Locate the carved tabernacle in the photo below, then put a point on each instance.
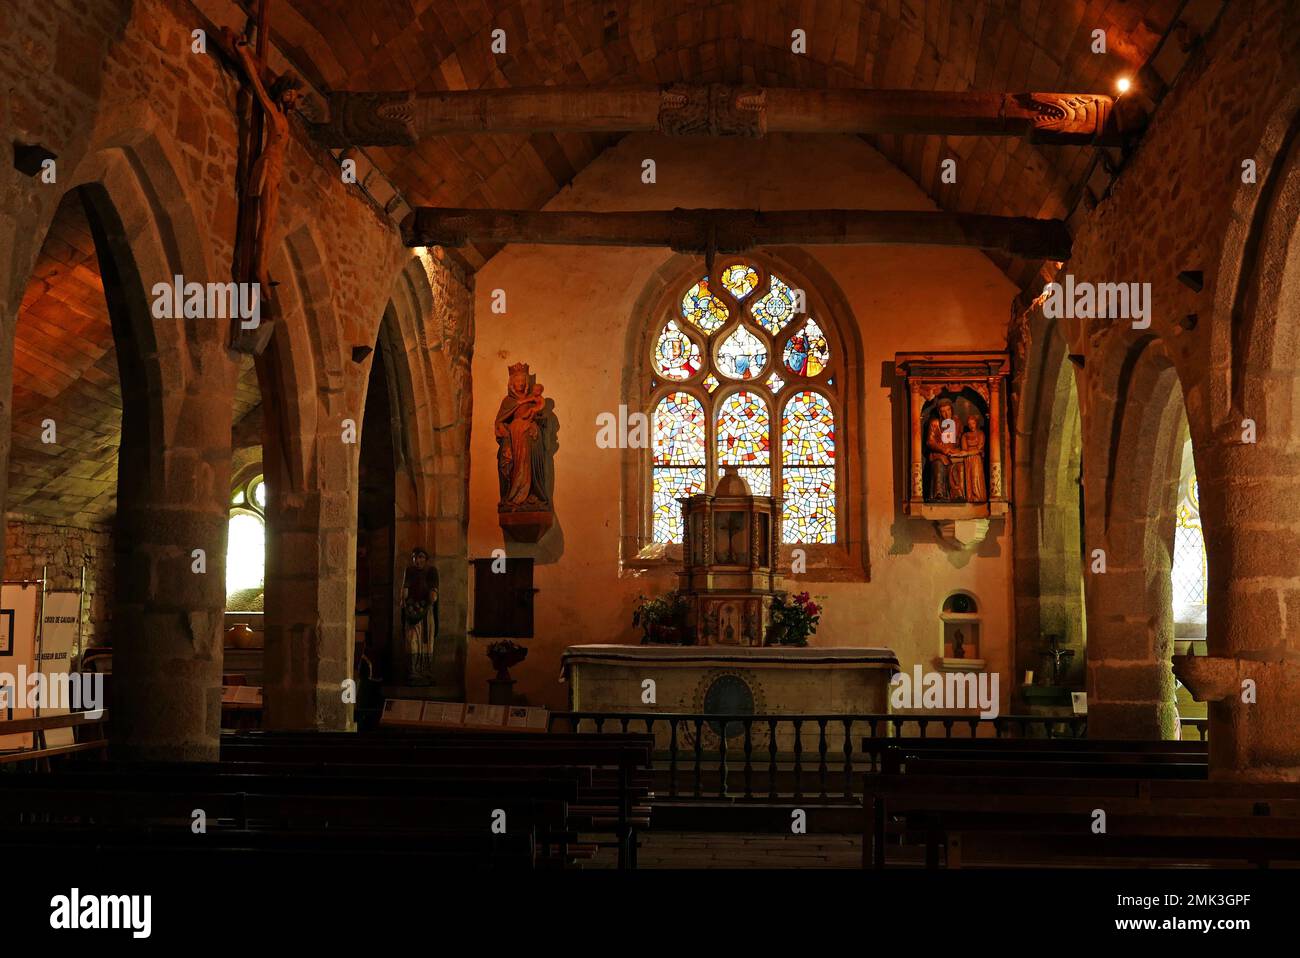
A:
(957, 424)
(728, 562)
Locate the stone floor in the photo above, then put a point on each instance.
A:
(723, 850)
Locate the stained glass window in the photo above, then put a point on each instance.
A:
(702, 308)
(678, 446)
(699, 428)
(807, 352)
(1189, 573)
(744, 430)
(676, 355)
(808, 468)
(740, 280)
(742, 355)
(775, 308)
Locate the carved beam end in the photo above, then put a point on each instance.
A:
(1076, 118)
(368, 119)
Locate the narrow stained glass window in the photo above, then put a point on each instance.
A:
(1189, 572)
(808, 468)
(678, 441)
(744, 429)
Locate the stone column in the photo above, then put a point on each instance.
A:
(170, 600)
(1250, 514)
(310, 601)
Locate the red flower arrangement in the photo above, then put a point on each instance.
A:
(793, 619)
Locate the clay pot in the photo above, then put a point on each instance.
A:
(240, 636)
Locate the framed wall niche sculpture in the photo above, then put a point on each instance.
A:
(956, 411)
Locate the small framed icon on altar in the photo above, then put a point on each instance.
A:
(1079, 702)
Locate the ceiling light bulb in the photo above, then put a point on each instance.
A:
(1123, 84)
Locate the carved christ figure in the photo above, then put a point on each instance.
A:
(268, 169)
(521, 458)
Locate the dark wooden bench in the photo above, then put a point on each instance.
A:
(617, 800)
(90, 736)
(1011, 818)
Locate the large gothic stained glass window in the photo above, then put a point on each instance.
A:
(743, 374)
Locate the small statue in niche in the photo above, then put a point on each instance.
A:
(940, 448)
(972, 445)
(958, 645)
(521, 457)
(420, 616)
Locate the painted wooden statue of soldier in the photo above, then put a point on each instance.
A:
(420, 616)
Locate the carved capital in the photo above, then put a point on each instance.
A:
(1066, 117)
(713, 110)
(372, 119)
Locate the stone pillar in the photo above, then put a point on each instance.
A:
(1130, 637)
(1250, 513)
(168, 615)
(310, 600)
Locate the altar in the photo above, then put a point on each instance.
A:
(730, 680)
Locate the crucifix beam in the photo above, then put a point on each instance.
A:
(737, 231)
(404, 118)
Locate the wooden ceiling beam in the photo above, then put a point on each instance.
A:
(404, 118)
(738, 231)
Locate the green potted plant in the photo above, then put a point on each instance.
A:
(794, 618)
(662, 620)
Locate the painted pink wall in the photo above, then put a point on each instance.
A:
(568, 311)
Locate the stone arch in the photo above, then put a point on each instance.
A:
(1139, 430)
(1048, 529)
(174, 454)
(433, 466)
(848, 558)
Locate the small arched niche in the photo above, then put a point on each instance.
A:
(960, 633)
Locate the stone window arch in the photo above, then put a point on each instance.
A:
(744, 365)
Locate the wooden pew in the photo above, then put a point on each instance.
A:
(1190, 820)
(617, 801)
(90, 730)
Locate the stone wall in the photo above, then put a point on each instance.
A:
(117, 93)
(62, 550)
(1220, 345)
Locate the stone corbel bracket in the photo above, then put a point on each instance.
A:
(1218, 678)
(962, 533)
